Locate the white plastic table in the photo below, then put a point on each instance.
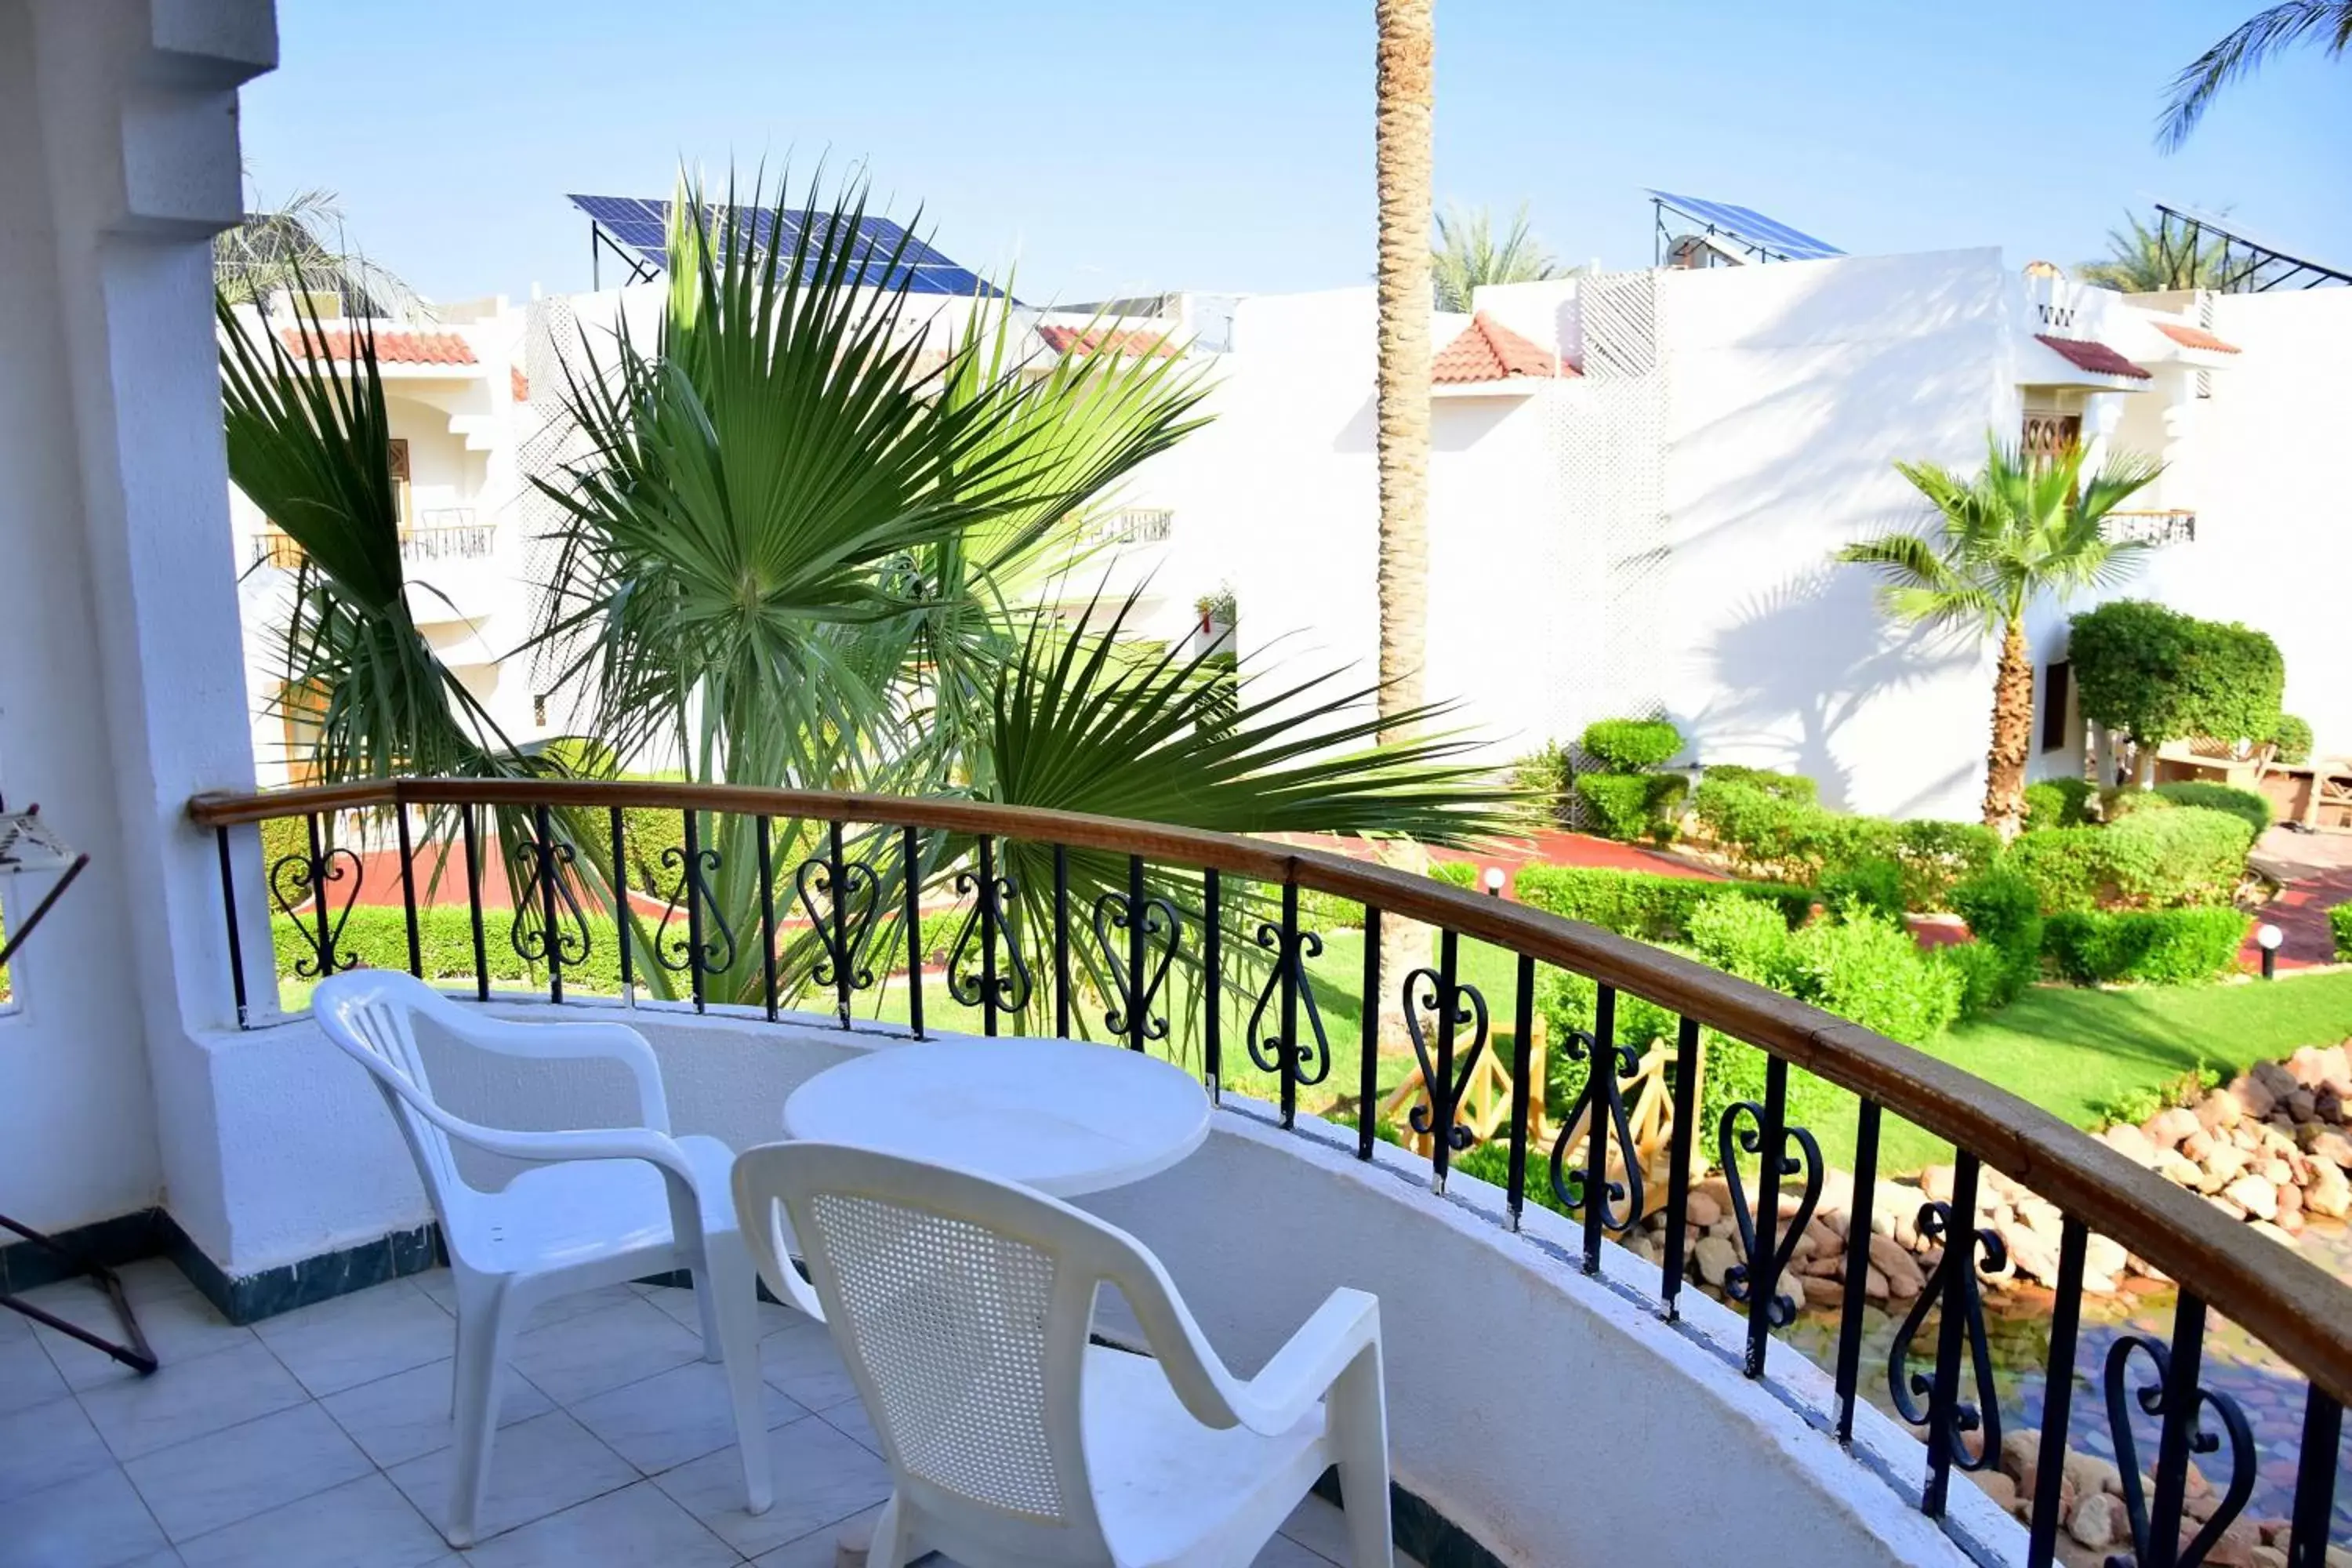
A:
(1060, 1116)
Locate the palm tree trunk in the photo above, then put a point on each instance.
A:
(2012, 734)
(1401, 155)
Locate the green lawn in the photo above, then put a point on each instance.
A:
(2068, 1051)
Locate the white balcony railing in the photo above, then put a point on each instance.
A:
(2176, 525)
(1133, 525)
(448, 534)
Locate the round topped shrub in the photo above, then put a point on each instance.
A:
(1630, 745)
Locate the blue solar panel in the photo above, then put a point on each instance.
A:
(642, 226)
(1752, 226)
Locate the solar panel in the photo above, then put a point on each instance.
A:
(640, 227)
(1752, 227)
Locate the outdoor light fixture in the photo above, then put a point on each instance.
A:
(1494, 879)
(2268, 937)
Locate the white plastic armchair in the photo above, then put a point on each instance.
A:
(961, 1306)
(600, 1206)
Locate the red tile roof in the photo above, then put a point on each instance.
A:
(2095, 357)
(519, 383)
(1488, 351)
(390, 347)
(2195, 337)
(1137, 341)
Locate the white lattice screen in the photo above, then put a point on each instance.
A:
(551, 345)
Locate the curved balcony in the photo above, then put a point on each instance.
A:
(1558, 1396)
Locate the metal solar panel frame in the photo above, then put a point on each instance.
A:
(1763, 238)
(2247, 266)
(636, 229)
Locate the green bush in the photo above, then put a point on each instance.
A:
(283, 838)
(2119, 801)
(2150, 859)
(2160, 675)
(1933, 856)
(1981, 972)
(1630, 745)
(2155, 947)
(2058, 803)
(2003, 910)
(1546, 776)
(1874, 886)
(2339, 921)
(1638, 904)
(1455, 873)
(1743, 937)
(1330, 911)
(1629, 807)
(2255, 808)
(1786, 786)
(2292, 738)
(1871, 969)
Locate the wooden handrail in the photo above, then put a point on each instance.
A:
(2296, 1307)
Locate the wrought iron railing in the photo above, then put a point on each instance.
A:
(1075, 919)
(449, 534)
(2175, 525)
(1133, 525)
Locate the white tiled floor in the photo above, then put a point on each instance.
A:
(319, 1440)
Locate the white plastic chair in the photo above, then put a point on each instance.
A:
(961, 1306)
(604, 1206)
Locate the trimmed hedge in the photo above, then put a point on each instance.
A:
(1455, 873)
(2160, 674)
(1787, 786)
(2339, 921)
(2255, 808)
(1628, 806)
(1639, 904)
(1933, 857)
(1876, 886)
(1630, 745)
(2058, 803)
(2004, 914)
(2151, 859)
(2155, 947)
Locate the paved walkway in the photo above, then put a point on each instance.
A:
(2315, 872)
(1549, 848)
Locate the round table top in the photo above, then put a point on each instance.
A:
(1061, 1116)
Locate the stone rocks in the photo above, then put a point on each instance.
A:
(2218, 1111)
(2096, 1521)
(2168, 1129)
(1701, 1209)
(1714, 1255)
(2130, 1142)
(2254, 1194)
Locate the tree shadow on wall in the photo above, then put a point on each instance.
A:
(1799, 661)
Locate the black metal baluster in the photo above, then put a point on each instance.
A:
(1679, 1144)
(408, 891)
(474, 903)
(911, 845)
(1523, 1029)
(2057, 1399)
(768, 911)
(2315, 1480)
(1140, 1003)
(1212, 983)
(236, 941)
(694, 954)
(844, 972)
(1368, 1066)
(548, 872)
(1291, 967)
(1857, 1265)
(319, 897)
(1597, 1129)
(1441, 1087)
(2172, 1445)
(1951, 1331)
(1764, 1271)
(988, 920)
(620, 922)
(2177, 1398)
(1062, 940)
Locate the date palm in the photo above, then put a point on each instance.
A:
(2021, 528)
(1402, 153)
(2140, 261)
(1468, 256)
(2268, 32)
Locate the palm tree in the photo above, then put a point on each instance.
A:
(2140, 261)
(2267, 32)
(1468, 255)
(2021, 528)
(1402, 153)
(300, 243)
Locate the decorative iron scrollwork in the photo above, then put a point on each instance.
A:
(1601, 1107)
(1132, 992)
(714, 952)
(851, 893)
(2154, 1399)
(1739, 1280)
(1313, 1060)
(1960, 1244)
(538, 866)
(988, 931)
(1451, 1005)
(299, 879)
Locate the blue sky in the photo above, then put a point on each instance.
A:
(1227, 145)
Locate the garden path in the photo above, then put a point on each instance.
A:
(2314, 873)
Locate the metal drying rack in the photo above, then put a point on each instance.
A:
(28, 846)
